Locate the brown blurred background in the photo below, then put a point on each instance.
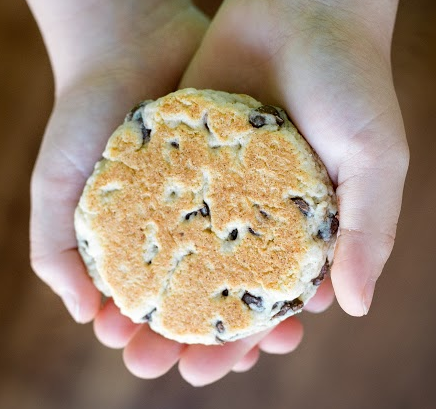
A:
(385, 360)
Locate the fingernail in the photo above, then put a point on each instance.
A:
(72, 305)
(368, 293)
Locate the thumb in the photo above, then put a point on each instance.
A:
(370, 186)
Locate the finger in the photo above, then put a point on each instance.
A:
(148, 355)
(370, 194)
(248, 361)
(204, 364)
(112, 328)
(322, 299)
(67, 276)
(284, 338)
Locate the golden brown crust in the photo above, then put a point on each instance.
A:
(153, 251)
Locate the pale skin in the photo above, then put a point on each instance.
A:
(326, 62)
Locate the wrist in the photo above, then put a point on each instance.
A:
(83, 37)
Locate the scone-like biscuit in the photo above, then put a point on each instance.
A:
(209, 217)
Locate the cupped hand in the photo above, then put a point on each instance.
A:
(144, 58)
(107, 56)
(328, 64)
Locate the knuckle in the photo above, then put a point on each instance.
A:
(403, 156)
(35, 262)
(44, 186)
(381, 243)
(38, 267)
(385, 245)
(35, 180)
(370, 156)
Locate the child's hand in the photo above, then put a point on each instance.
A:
(328, 64)
(106, 57)
(109, 55)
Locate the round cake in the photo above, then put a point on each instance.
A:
(209, 217)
